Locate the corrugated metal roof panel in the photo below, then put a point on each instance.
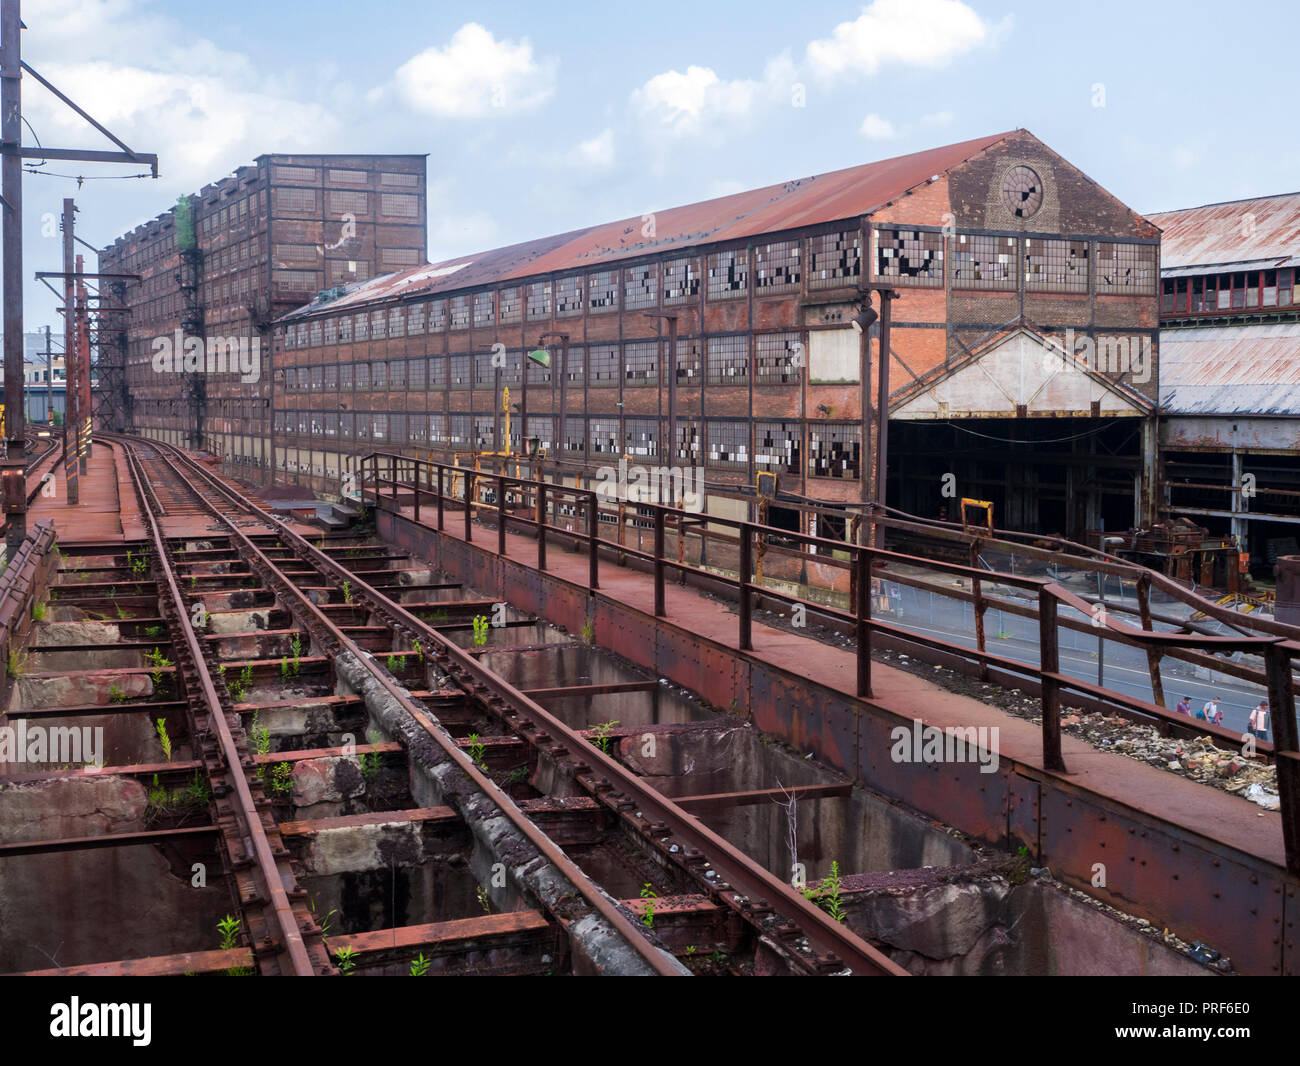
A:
(1267, 228)
(840, 194)
(1231, 369)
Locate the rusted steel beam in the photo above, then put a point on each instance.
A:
(719, 800)
(1049, 669)
(441, 936)
(387, 747)
(311, 827)
(107, 840)
(562, 691)
(142, 770)
(187, 962)
(1286, 742)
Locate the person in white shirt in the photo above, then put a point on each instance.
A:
(1212, 713)
(1259, 719)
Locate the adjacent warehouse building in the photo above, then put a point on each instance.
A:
(1004, 256)
(227, 261)
(1230, 377)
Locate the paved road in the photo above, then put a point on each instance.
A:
(1125, 668)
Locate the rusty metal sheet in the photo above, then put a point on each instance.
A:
(830, 197)
(1199, 889)
(1267, 227)
(1252, 369)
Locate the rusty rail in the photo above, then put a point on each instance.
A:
(1279, 651)
(252, 834)
(752, 879)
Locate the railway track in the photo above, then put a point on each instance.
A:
(346, 603)
(311, 723)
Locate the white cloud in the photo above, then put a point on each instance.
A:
(921, 33)
(685, 104)
(474, 75)
(597, 153)
(164, 89)
(877, 128)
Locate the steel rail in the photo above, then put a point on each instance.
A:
(756, 882)
(659, 961)
(246, 812)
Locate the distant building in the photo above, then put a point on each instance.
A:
(227, 261)
(1230, 377)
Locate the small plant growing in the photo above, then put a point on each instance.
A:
(370, 760)
(228, 927)
(295, 646)
(284, 668)
(16, 664)
(476, 751)
(827, 894)
(395, 663)
(163, 738)
(153, 632)
(601, 732)
(347, 961)
(158, 662)
(420, 966)
(419, 652)
(588, 632)
(282, 778)
(648, 914)
(480, 630)
(122, 613)
(38, 612)
(347, 592)
(484, 900)
(116, 695)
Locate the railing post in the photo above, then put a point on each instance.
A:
(1286, 743)
(742, 585)
(501, 514)
(415, 484)
(977, 591)
(862, 619)
(659, 562)
(392, 471)
(469, 495)
(1153, 652)
(440, 471)
(593, 541)
(541, 522)
(1050, 663)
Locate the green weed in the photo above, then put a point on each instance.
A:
(476, 751)
(602, 734)
(163, 739)
(480, 630)
(420, 966)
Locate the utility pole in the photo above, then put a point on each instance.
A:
(71, 398)
(82, 357)
(11, 246)
(49, 379)
(13, 488)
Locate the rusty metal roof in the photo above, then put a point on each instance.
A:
(1265, 228)
(1238, 370)
(831, 197)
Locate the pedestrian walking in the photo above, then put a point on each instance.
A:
(1259, 720)
(1185, 706)
(1211, 712)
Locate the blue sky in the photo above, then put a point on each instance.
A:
(539, 119)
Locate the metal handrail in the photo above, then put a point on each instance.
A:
(1277, 649)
